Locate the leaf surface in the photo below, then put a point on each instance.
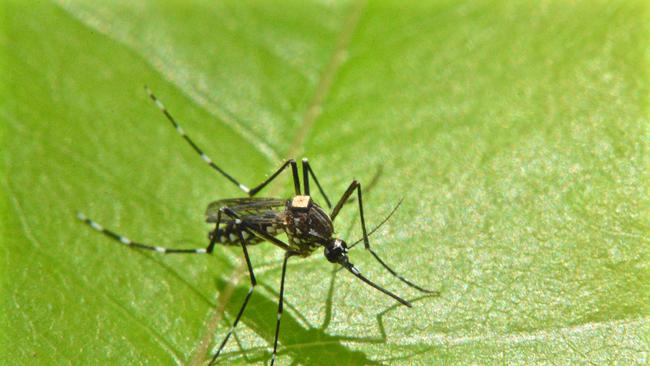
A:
(516, 134)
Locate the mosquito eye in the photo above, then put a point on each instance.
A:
(336, 251)
(333, 254)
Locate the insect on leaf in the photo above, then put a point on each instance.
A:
(515, 132)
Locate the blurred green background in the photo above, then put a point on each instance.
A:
(516, 133)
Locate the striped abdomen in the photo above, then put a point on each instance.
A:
(228, 234)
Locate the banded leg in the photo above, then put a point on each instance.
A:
(280, 306)
(244, 227)
(243, 306)
(206, 158)
(357, 186)
(130, 243)
(306, 172)
(181, 132)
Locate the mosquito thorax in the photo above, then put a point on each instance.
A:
(307, 224)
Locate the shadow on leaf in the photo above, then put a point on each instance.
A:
(303, 343)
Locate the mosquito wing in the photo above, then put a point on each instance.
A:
(254, 210)
(264, 215)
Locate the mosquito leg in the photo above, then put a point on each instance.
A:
(308, 171)
(244, 227)
(347, 196)
(181, 132)
(371, 185)
(305, 176)
(344, 198)
(294, 171)
(204, 156)
(130, 243)
(280, 303)
(357, 186)
(231, 213)
(243, 306)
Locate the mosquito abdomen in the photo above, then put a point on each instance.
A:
(229, 235)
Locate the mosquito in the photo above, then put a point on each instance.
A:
(252, 220)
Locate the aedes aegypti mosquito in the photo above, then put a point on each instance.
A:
(252, 220)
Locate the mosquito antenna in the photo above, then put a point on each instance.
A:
(350, 267)
(380, 224)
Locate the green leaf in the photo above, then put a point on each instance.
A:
(516, 134)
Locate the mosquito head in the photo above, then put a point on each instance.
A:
(336, 251)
